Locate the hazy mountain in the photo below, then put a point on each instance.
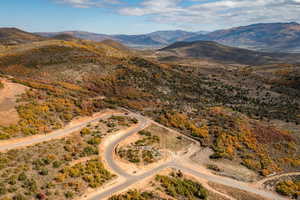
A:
(268, 37)
(172, 36)
(64, 36)
(202, 32)
(78, 34)
(215, 51)
(154, 39)
(280, 37)
(12, 36)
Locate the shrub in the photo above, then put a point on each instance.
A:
(69, 194)
(85, 131)
(22, 177)
(181, 188)
(94, 141)
(19, 197)
(289, 188)
(56, 164)
(89, 151)
(133, 195)
(44, 172)
(145, 133)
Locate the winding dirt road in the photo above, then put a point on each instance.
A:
(177, 162)
(174, 163)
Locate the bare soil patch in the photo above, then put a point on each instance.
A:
(225, 167)
(236, 193)
(8, 102)
(169, 139)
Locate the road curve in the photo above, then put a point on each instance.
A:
(230, 182)
(263, 181)
(175, 163)
(132, 179)
(109, 150)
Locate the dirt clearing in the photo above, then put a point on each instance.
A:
(8, 96)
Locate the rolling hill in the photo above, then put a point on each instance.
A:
(78, 34)
(218, 52)
(12, 36)
(154, 39)
(64, 36)
(227, 108)
(269, 37)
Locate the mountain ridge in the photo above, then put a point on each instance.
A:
(219, 52)
(269, 37)
(153, 39)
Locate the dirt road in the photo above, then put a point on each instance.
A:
(109, 152)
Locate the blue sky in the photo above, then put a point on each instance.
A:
(142, 16)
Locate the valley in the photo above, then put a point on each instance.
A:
(194, 120)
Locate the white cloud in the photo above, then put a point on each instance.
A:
(202, 14)
(88, 3)
(152, 7)
(216, 14)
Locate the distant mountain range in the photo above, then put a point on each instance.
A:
(222, 53)
(268, 37)
(155, 39)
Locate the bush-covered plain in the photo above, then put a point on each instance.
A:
(54, 170)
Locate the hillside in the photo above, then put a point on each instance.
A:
(64, 36)
(215, 51)
(155, 39)
(270, 37)
(116, 45)
(78, 34)
(12, 36)
(248, 117)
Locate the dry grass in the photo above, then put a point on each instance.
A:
(235, 193)
(168, 139)
(8, 101)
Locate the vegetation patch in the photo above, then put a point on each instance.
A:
(234, 136)
(143, 150)
(172, 186)
(45, 108)
(54, 170)
(179, 187)
(290, 188)
(135, 195)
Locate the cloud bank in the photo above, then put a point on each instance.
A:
(203, 13)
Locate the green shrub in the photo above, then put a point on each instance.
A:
(289, 188)
(85, 131)
(19, 197)
(69, 194)
(133, 195)
(181, 188)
